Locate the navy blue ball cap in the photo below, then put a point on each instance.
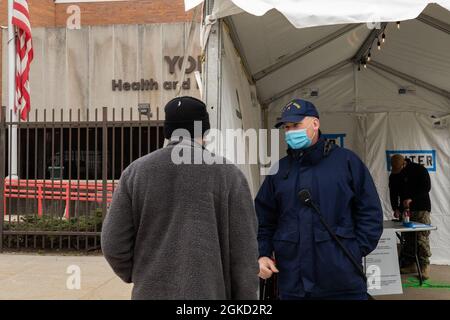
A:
(296, 110)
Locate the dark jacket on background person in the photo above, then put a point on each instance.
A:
(183, 231)
(309, 260)
(413, 182)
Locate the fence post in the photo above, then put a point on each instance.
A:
(104, 161)
(67, 213)
(40, 201)
(2, 173)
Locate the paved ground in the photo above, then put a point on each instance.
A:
(436, 288)
(45, 277)
(33, 276)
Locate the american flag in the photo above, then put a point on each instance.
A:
(24, 56)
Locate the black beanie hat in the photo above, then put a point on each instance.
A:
(182, 112)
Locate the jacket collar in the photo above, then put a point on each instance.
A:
(186, 142)
(311, 155)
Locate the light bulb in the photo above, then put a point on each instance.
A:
(398, 24)
(369, 56)
(383, 37)
(379, 44)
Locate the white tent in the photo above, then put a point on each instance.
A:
(257, 59)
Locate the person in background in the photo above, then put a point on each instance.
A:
(183, 231)
(409, 187)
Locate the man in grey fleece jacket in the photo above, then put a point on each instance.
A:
(183, 231)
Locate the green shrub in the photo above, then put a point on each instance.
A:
(91, 222)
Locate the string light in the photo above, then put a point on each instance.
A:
(364, 61)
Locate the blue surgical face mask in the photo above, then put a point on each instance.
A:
(298, 139)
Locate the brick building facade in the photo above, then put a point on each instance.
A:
(124, 54)
(48, 14)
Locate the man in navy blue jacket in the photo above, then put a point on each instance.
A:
(309, 263)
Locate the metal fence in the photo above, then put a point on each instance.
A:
(67, 172)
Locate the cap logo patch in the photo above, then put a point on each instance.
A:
(290, 105)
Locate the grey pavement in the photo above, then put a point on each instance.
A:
(46, 277)
(50, 277)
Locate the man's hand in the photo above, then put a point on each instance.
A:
(266, 267)
(407, 203)
(397, 214)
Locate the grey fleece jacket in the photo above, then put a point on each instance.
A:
(184, 231)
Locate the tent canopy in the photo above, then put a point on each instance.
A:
(281, 58)
(310, 13)
(264, 53)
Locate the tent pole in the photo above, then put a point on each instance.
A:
(212, 74)
(306, 81)
(308, 49)
(434, 23)
(411, 79)
(238, 45)
(365, 46)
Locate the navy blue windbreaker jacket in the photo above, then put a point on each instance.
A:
(308, 258)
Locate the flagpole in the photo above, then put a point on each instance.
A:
(12, 143)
